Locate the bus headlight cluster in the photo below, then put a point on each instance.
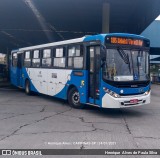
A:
(113, 94)
(146, 93)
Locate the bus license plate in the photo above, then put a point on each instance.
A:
(134, 101)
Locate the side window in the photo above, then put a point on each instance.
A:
(27, 59)
(46, 58)
(59, 58)
(14, 60)
(36, 58)
(75, 57)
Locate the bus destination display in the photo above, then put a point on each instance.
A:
(126, 41)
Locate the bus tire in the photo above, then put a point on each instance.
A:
(27, 87)
(74, 99)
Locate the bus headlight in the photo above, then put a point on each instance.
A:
(113, 94)
(146, 93)
(116, 95)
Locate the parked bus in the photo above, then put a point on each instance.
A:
(106, 70)
(3, 72)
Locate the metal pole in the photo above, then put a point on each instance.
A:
(8, 64)
(105, 16)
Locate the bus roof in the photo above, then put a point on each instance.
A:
(77, 40)
(100, 37)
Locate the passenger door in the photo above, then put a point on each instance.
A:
(19, 70)
(94, 74)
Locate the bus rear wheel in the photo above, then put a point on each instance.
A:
(74, 99)
(27, 87)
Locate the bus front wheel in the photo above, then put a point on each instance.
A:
(27, 87)
(74, 99)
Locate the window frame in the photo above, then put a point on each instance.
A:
(54, 56)
(82, 54)
(36, 58)
(24, 58)
(14, 59)
(51, 54)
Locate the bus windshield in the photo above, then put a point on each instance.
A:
(126, 65)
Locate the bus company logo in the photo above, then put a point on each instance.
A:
(6, 152)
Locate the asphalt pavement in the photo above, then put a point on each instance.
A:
(42, 122)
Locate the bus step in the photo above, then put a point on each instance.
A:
(20, 87)
(92, 104)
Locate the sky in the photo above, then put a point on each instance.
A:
(158, 18)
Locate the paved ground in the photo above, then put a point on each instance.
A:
(46, 123)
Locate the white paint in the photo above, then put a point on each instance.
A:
(45, 82)
(154, 56)
(123, 78)
(154, 62)
(111, 102)
(158, 18)
(77, 40)
(19, 52)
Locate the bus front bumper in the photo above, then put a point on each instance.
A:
(126, 101)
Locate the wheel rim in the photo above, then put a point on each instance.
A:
(75, 98)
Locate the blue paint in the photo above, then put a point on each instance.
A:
(33, 89)
(126, 91)
(101, 37)
(76, 81)
(14, 77)
(136, 78)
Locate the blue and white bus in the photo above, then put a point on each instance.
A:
(106, 70)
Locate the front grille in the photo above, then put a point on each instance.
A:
(131, 86)
(131, 94)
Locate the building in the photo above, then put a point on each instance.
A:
(153, 33)
(2, 59)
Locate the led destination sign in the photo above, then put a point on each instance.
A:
(126, 41)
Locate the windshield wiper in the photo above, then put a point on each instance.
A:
(124, 56)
